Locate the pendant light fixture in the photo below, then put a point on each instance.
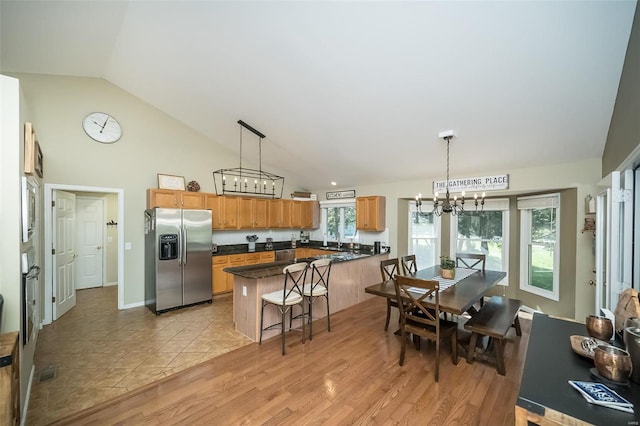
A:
(448, 205)
(245, 181)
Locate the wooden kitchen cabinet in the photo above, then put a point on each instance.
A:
(224, 211)
(219, 278)
(10, 379)
(267, 256)
(301, 253)
(370, 213)
(252, 259)
(253, 213)
(296, 214)
(310, 214)
(280, 213)
(172, 199)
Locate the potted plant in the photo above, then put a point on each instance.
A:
(447, 268)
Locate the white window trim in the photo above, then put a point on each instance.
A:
(497, 204)
(526, 204)
(324, 205)
(437, 227)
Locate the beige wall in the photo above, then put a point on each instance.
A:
(624, 130)
(151, 143)
(577, 297)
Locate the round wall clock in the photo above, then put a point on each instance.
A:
(102, 127)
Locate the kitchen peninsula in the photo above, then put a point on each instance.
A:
(350, 274)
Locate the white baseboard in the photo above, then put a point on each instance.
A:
(25, 409)
(110, 284)
(133, 305)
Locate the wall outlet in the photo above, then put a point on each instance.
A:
(244, 290)
(127, 246)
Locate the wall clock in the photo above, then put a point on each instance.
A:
(102, 127)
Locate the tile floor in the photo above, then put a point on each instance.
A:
(98, 352)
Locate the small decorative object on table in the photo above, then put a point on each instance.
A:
(612, 363)
(600, 394)
(447, 268)
(599, 327)
(193, 186)
(585, 346)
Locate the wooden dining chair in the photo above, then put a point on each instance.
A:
(409, 265)
(417, 319)
(471, 261)
(389, 269)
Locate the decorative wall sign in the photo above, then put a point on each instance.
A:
(334, 195)
(484, 183)
(170, 182)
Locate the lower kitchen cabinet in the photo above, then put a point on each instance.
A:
(222, 282)
(219, 278)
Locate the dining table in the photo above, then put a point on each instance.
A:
(459, 295)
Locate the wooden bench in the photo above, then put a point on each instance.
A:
(494, 320)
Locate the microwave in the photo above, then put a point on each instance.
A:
(29, 197)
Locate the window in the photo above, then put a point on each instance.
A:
(424, 237)
(484, 232)
(539, 244)
(338, 220)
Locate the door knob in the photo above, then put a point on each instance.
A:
(99, 247)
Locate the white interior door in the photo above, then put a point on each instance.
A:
(89, 242)
(63, 242)
(614, 246)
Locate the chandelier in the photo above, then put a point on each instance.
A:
(254, 182)
(447, 205)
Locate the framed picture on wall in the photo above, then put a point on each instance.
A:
(29, 148)
(171, 182)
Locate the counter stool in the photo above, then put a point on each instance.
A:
(287, 298)
(318, 287)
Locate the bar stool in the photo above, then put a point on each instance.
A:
(318, 287)
(287, 298)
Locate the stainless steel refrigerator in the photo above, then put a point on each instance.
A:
(177, 258)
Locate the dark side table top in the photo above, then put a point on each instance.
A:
(551, 363)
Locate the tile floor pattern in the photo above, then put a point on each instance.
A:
(100, 352)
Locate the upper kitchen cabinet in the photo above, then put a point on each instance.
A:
(253, 212)
(310, 214)
(296, 214)
(280, 213)
(224, 211)
(172, 199)
(370, 213)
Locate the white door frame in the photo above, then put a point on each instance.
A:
(48, 259)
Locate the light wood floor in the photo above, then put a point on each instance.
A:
(348, 376)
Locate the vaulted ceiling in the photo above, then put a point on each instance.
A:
(354, 92)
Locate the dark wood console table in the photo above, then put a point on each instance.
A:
(545, 396)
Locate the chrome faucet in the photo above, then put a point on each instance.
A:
(339, 244)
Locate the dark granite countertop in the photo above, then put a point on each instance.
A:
(286, 245)
(265, 270)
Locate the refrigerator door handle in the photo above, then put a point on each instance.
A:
(184, 245)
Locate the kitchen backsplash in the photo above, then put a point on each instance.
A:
(239, 237)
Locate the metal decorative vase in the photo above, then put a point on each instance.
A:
(632, 340)
(629, 322)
